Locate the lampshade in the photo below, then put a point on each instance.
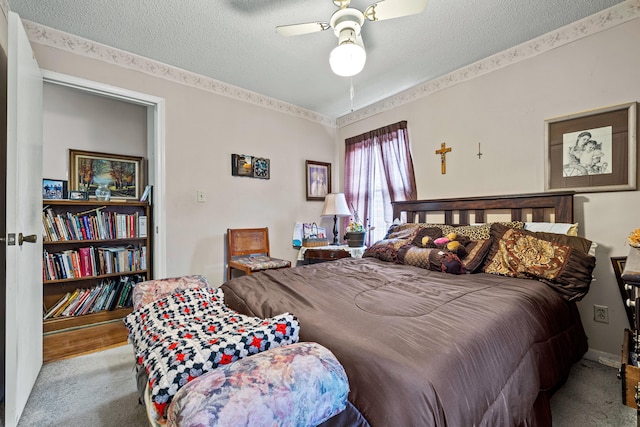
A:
(335, 204)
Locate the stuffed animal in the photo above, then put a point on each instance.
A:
(453, 250)
(452, 242)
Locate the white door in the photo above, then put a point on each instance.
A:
(24, 204)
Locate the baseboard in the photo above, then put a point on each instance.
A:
(604, 358)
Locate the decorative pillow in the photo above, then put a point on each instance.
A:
(300, 384)
(482, 231)
(431, 232)
(553, 227)
(401, 231)
(151, 290)
(409, 230)
(579, 243)
(434, 259)
(386, 250)
(427, 258)
(519, 253)
(445, 228)
(477, 251)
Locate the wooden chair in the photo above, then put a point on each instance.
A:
(248, 251)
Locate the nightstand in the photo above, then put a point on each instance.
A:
(312, 255)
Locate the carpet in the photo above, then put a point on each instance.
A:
(99, 389)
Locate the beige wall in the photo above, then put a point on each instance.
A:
(76, 120)
(505, 112)
(203, 129)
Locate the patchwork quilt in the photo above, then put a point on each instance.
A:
(191, 332)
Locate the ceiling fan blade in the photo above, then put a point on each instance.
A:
(389, 9)
(297, 29)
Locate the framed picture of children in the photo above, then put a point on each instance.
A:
(592, 151)
(318, 179)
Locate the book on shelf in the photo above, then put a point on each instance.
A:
(146, 194)
(66, 304)
(107, 295)
(57, 305)
(142, 226)
(82, 295)
(97, 224)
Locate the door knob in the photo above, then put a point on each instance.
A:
(31, 238)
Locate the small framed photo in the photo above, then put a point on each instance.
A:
(78, 195)
(318, 179)
(592, 151)
(261, 168)
(241, 165)
(54, 189)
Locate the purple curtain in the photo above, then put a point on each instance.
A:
(384, 151)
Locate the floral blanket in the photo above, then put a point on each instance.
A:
(191, 332)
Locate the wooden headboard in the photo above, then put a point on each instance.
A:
(539, 204)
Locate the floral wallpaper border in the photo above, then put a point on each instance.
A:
(601, 21)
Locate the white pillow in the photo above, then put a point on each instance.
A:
(553, 227)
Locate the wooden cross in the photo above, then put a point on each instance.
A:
(443, 160)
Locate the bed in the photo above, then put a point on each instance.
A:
(422, 347)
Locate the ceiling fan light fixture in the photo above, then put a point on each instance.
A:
(348, 58)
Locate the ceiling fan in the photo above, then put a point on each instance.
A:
(348, 58)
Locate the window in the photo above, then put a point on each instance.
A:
(379, 170)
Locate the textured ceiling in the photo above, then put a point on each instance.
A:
(234, 41)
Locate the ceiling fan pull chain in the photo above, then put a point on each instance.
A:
(351, 93)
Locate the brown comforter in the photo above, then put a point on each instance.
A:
(424, 348)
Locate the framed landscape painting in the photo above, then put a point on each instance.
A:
(592, 151)
(122, 174)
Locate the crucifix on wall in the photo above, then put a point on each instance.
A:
(443, 159)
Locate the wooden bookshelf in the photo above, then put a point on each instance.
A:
(75, 334)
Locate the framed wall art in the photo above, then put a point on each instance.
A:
(54, 189)
(261, 168)
(123, 175)
(592, 151)
(241, 165)
(318, 179)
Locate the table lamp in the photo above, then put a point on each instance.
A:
(335, 205)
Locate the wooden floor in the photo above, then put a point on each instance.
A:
(75, 342)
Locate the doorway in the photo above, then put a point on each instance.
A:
(155, 149)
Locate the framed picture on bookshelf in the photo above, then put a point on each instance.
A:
(53, 189)
(123, 175)
(78, 195)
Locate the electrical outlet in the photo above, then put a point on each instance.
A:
(601, 313)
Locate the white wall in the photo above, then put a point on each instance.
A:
(505, 112)
(203, 129)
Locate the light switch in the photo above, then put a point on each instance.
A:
(201, 197)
